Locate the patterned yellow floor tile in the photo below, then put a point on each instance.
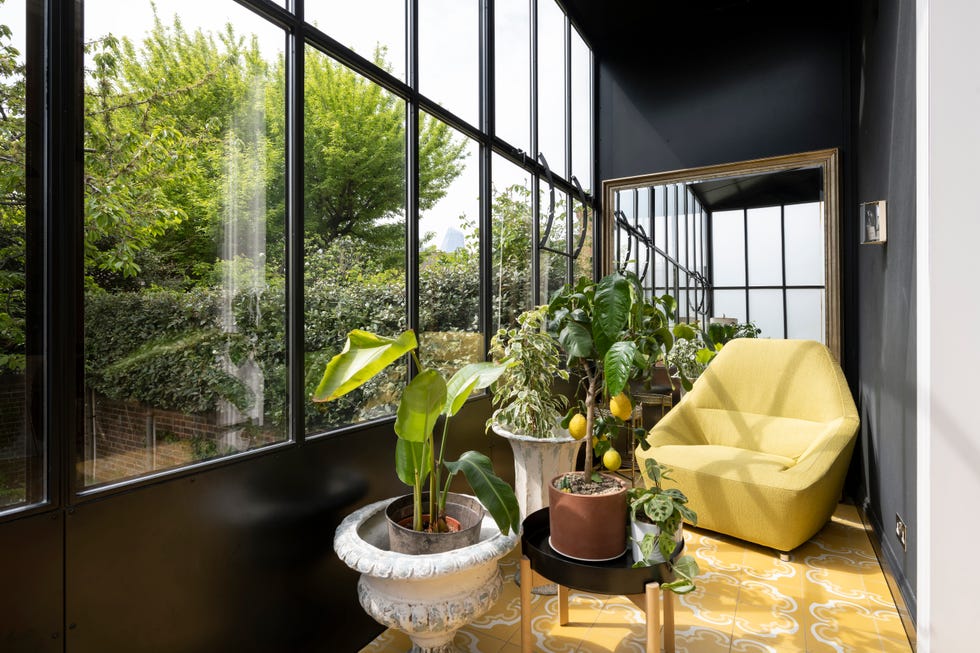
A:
(889, 624)
(843, 641)
(830, 597)
(511, 648)
(390, 641)
(712, 603)
(477, 642)
(702, 639)
(896, 645)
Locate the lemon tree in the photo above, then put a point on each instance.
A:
(609, 333)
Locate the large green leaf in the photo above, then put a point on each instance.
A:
(364, 355)
(660, 508)
(618, 365)
(412, 457)
(612, 306)
(422, 402)
(576, 340)
(685, 331)
(470, 378)
(685, 570)
(498, 497)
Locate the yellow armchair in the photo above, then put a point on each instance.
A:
(762, 442)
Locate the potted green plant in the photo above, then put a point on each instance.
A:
(695, 348)
(420, 456)
(657, 528)
(527, 410)
(609, 334)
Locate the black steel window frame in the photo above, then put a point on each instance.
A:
(748, 287)
(55, 86)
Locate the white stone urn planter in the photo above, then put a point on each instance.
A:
(536, 462)
(428, 597)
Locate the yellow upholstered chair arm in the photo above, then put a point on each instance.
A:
(677, 427)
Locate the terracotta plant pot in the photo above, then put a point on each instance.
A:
(464, 509)
(588, 527)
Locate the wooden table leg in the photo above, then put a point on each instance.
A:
(668, 601)
(653, 617)
(562, 605)
(527, 581)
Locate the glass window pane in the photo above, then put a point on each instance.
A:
(511, 251)
(374, 29)
(765, 247)
(804, 245)
(512, 58)
(582, 221)
(449, 254)
(727, 248)
(581, 111)
(804, 313)
(766, 311)
(551, 85)
(449, 55)
(184, 250)
(354, 214)
(553, 272)
(22, 448)
(729, 303)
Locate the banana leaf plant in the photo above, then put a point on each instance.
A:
(419, 456)
(611, 333)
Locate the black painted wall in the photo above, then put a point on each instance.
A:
(691, 84)
(884, 110)
(235, 557)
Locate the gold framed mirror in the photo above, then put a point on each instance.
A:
(751, 241)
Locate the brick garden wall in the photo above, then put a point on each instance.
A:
(13, 439)
(133, 439)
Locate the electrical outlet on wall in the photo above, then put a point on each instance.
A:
(901, 532)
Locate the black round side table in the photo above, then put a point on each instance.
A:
(541, 564)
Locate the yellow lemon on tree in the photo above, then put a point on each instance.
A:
(620, 406)
(576, 427)
(612, 460)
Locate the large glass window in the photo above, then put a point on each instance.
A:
(22, 450)
(581, 111)
(184, 236)
(449, 55)
(551, 85)
(191, 207)
(511, 291)
(449, 249)
(374, 29)
(512, 55)
(354, 226)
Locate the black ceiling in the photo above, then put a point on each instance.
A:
(647, 27)
(770, 189)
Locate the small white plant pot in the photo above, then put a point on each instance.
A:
(639, 530)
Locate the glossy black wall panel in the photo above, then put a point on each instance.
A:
(31, 616)
(238, 557)
(886, 302)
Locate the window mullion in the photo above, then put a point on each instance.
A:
(412, 173)
(294, 236)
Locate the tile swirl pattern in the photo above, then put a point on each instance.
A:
(831, 597)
